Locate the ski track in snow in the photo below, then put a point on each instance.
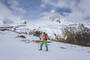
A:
(11, 48)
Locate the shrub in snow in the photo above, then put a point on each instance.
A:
(37, 33)
(21, 36)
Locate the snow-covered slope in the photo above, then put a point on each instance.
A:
(12, 48)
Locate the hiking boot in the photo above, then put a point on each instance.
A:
(40, 49)
(47, 50)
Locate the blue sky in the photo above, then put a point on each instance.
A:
(33, 9)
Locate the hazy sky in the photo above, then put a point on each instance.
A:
(35, 9)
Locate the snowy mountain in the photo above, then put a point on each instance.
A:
(52, 23)
(51, 27)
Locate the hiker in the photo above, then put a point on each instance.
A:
(44, 41)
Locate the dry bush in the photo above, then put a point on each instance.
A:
(81, 37)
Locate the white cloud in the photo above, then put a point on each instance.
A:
(85, 6)
(42, 5)
(52, 11)
(7, 15)
(14, 4)
(82, 11)
(80, 8)
(60, 3)
(4, 11)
